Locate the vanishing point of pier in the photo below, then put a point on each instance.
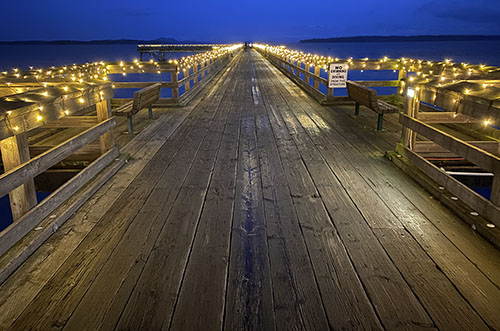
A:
(227, 197)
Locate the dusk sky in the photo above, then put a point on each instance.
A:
(227, 20)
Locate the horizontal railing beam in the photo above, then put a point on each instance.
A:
(466, 150)
(18, 176)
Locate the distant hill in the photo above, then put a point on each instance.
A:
(101, 42)
(402, 38)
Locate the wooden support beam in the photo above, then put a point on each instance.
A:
(488, 209)
(17, 176)
(317, 71)
(432, 147)
(72, 122)
(28, 222)
(103, 109)
(174, 80)
(468, 151)
(87, 153)
(119, 85)
(446, 117)
(15, 152)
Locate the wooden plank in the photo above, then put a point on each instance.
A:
(437, 305)
(90, 149)
(446, 117)
(103, 110)
(362, 94)
(25, 116)
(249, 303)
(471, 153)
(55, 302)
(149, 305)
(429, 283)
(463, 274)
(39, 213)
(72, 122)
(17, 292)
(431, 147)
(120, 85)
(297, 300)
(28, 222)
(345, 301)
(52, 301)
(15, 152)
(17, 176)
(143, 232)
(369, 257)
(464, 193)
(144, 98)
(210, 252)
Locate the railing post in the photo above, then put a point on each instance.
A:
(495, 189)
(329, 92)
(317, 72)
(412, 97)
(187, 84)
(15, 151)
(402, 75)
(173, 78)
(103, 109)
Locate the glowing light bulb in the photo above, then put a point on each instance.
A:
(39, 118)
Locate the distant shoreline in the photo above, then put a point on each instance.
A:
(403, 38)
(99, 42)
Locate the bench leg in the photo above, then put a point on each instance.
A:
(129, 124)
(150, 111)
(356, 110)
(380, 122)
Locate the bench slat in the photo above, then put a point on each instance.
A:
(387, 108)
(145, 97)
(121, 111)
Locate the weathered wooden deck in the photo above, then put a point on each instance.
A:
(256, 208)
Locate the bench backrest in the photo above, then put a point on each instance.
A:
(146, 97)
(362, 94)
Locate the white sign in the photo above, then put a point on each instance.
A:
(337, 75)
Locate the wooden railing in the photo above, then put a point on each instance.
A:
(308, 75)
(183, 82)
(60, 117)
(427, 106)
(39, 113)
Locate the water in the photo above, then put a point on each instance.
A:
(474, 52)
(24, 56)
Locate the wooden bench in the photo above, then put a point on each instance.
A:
(367, 97)
(143, 98)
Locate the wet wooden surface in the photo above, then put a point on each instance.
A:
(255, 208)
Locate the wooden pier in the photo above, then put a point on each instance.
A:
(252, 207)
(160, 52)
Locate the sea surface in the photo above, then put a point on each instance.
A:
(474, 52)
(24, 56)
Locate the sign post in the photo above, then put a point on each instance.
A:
(337, 75)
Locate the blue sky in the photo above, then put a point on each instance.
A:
(225, 21)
